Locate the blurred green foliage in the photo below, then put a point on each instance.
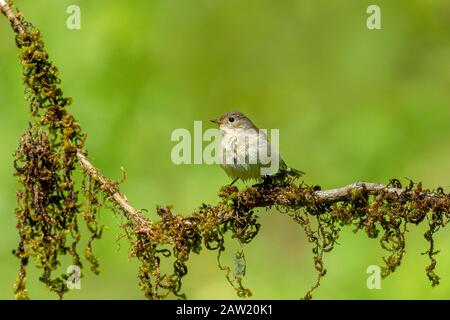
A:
(351, 104)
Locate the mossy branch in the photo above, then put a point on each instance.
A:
(50, 205)
(112, 189)
(15, 22)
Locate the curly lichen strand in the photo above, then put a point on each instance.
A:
(45, 216)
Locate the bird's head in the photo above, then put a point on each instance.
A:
(234, 120)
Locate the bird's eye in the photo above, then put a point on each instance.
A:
(231, 119)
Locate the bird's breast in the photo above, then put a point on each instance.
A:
(238, 148)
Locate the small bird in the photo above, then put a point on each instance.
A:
(244, 151)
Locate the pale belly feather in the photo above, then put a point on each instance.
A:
(240, 160)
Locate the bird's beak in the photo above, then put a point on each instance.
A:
(216, 121)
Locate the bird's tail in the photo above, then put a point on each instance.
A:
(293, 172)
(284, 171)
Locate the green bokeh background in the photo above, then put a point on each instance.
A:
(351, 104)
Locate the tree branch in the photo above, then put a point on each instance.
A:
(111, 188)
(298, 197)
(15, 22)
(343, 193)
